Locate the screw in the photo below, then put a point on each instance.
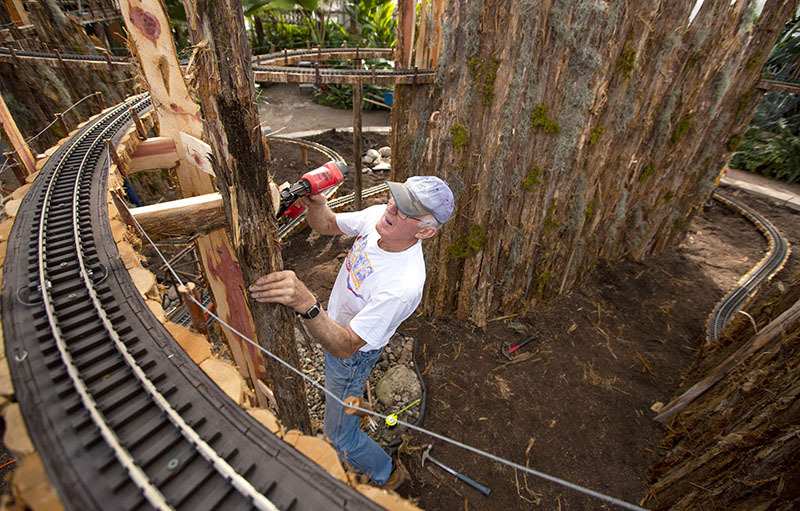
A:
(173, 463)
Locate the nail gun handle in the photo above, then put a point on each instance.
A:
(478, 486)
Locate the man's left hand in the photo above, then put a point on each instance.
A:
(285, 288)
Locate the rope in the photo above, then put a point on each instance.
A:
(443, 438)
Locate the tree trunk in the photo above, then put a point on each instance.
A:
(571, 132)
(225, 87)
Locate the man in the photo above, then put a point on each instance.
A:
(378, 287)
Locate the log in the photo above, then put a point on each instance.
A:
(224, 84)
(182, 218)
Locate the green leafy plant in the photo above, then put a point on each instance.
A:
(773, 154)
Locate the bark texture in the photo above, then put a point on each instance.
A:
(736, 446)
(225, 87)
(572, 132)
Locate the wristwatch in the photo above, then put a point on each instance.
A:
(312, 312)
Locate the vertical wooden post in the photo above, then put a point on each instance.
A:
(197, 315)
(304, 155)
(149, 32)
(62, 123)
(100, 100)
(357, 149)
(16, 140)
(138, 122)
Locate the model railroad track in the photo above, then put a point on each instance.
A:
(278, 66)
(121, 416)
(777, 254)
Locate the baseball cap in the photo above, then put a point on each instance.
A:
(423, 195)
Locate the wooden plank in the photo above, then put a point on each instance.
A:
(17, 13)
(181, 218)
(154, 153)
(17, 142)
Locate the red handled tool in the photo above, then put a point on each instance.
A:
(507, 351)
(312, 183)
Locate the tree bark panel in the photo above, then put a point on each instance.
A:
(571, 132)
(736, 445)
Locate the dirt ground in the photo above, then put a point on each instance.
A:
(576, 402)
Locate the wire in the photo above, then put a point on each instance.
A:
(27, 142)
(314, 383)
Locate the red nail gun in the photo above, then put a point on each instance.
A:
(312, 183)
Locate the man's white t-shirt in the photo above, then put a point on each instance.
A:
(375, 290)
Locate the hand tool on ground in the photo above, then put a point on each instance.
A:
(312, 183)
(508, 350)
(427, 456)
(391, 419)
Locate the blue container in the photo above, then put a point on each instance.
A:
(388, 98)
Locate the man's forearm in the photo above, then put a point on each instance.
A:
(321, 219)
(341, 342)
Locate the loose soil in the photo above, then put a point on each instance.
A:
(576, 402)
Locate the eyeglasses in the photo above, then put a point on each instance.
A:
(402, 216)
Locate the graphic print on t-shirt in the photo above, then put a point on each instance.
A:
(357, 264)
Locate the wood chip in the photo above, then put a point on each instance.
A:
(195, 345)
(16, 439)
(5, 229)
(225, 376)
(33, 487)
(12, 207)
(143, 280)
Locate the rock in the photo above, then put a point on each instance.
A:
(372, 153)
(366, 160)
(385, 152)
(398, 387)
(382, 166)
(172, 293)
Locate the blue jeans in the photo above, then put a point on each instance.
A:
(346, 377)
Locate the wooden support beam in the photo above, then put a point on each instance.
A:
(150, 36)
(182, 218)
(154, 153)
(16, 140)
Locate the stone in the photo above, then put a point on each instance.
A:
(366, 160)
(398, 387)
(372, 153)
(385, 152)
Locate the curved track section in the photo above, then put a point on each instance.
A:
(121, 416)
(771, 264)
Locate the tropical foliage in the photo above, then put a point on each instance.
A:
(771, 144)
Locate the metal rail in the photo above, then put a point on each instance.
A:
(777, 254)
(122, 418)
(273, 71)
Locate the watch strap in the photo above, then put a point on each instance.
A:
(312, 312)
